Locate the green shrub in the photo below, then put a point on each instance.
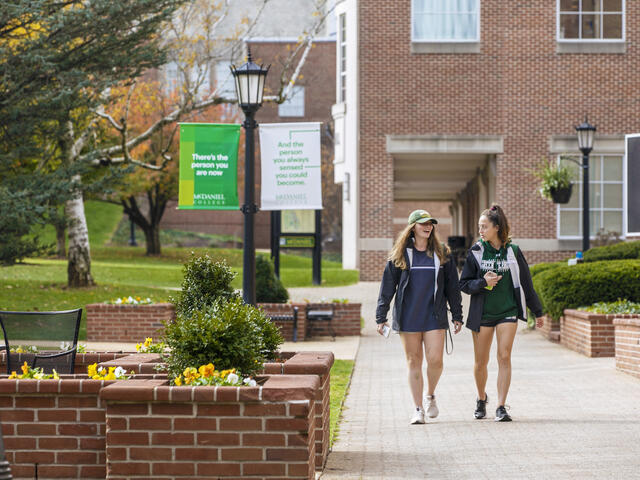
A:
(619, 251)
(619, 306)
(204, 282)
(269, 288)
(227, 333)
(544, 266)
(583, 284)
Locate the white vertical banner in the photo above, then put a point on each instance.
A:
(290, 160)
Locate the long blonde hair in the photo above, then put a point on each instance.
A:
(396, 255)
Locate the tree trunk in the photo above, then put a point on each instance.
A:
(79, 267)
(152, 238)
(61, 241)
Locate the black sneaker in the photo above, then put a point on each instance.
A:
(502, 415)
(481, 407)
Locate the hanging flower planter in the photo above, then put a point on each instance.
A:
(562, 194)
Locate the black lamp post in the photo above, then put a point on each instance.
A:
(250, 79)
(586, 133)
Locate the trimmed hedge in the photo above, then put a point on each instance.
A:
(544, 266)
(618, 251)
(583, 284)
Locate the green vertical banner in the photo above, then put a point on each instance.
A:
(208, 166)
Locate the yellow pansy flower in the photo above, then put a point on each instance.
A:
(178, 381)
(25, 368)
(13, 375)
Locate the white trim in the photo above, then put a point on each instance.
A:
(438, 40)
(625, 198)
(591, 40)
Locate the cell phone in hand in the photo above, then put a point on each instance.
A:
(386, 331)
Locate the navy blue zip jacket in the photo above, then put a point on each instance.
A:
(472, 282)
(394, 283)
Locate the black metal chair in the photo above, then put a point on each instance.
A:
(320, 314)
(49, 329)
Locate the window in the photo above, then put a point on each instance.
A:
(225, 84)
(605, 193)
(591, 20)
(446, 20)
(342, 60)
(294, 105)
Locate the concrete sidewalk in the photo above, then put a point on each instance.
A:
(574, 417)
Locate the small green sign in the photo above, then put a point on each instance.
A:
(208, 166)
(290, 241)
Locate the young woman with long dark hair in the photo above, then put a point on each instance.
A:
(422, 276)
(497, 277)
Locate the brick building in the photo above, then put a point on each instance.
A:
(454, 101)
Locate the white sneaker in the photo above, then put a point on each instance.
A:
(418, 416)
(432, 406)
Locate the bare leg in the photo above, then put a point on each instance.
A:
(433, 350)
(505, 333)
(412, 343)
(481, 348)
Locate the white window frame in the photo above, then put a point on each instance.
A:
(296, 92)
(452, 40)
(625, 192)
(342, 60)
(590, 40)
(602, 210)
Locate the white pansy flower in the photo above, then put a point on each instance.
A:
(252, 383)
(233, 378)
(118, 301)
(120, 372)
(130, 300)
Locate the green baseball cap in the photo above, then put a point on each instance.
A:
(421, 216)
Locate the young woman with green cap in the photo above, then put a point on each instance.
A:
(497, 277)
(422, 276)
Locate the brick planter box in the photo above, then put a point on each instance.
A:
(58, 424)
(302, 363)
(627, 335)
(141, 428)
(134, 323)
(83, 360)
(126, 323)
(211, 432)
(591, 334)
(551, 329)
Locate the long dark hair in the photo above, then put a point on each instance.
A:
(496, 215)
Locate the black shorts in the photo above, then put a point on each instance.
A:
(493, 323)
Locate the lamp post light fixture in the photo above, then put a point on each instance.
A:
(250, 79)
(586, 133)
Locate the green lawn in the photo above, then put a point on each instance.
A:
(340, 380)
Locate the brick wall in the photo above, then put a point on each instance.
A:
(591, 334)
(126, 323)
(58, 424)
(194, 432)
(517, 87)
(627, 332)
(550, 329)
(313, 363)
(133, 323)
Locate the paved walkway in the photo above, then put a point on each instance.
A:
(574, 417)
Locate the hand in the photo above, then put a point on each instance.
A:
(380, 326)
(539, 322)
(492, 278)
(457, 326)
